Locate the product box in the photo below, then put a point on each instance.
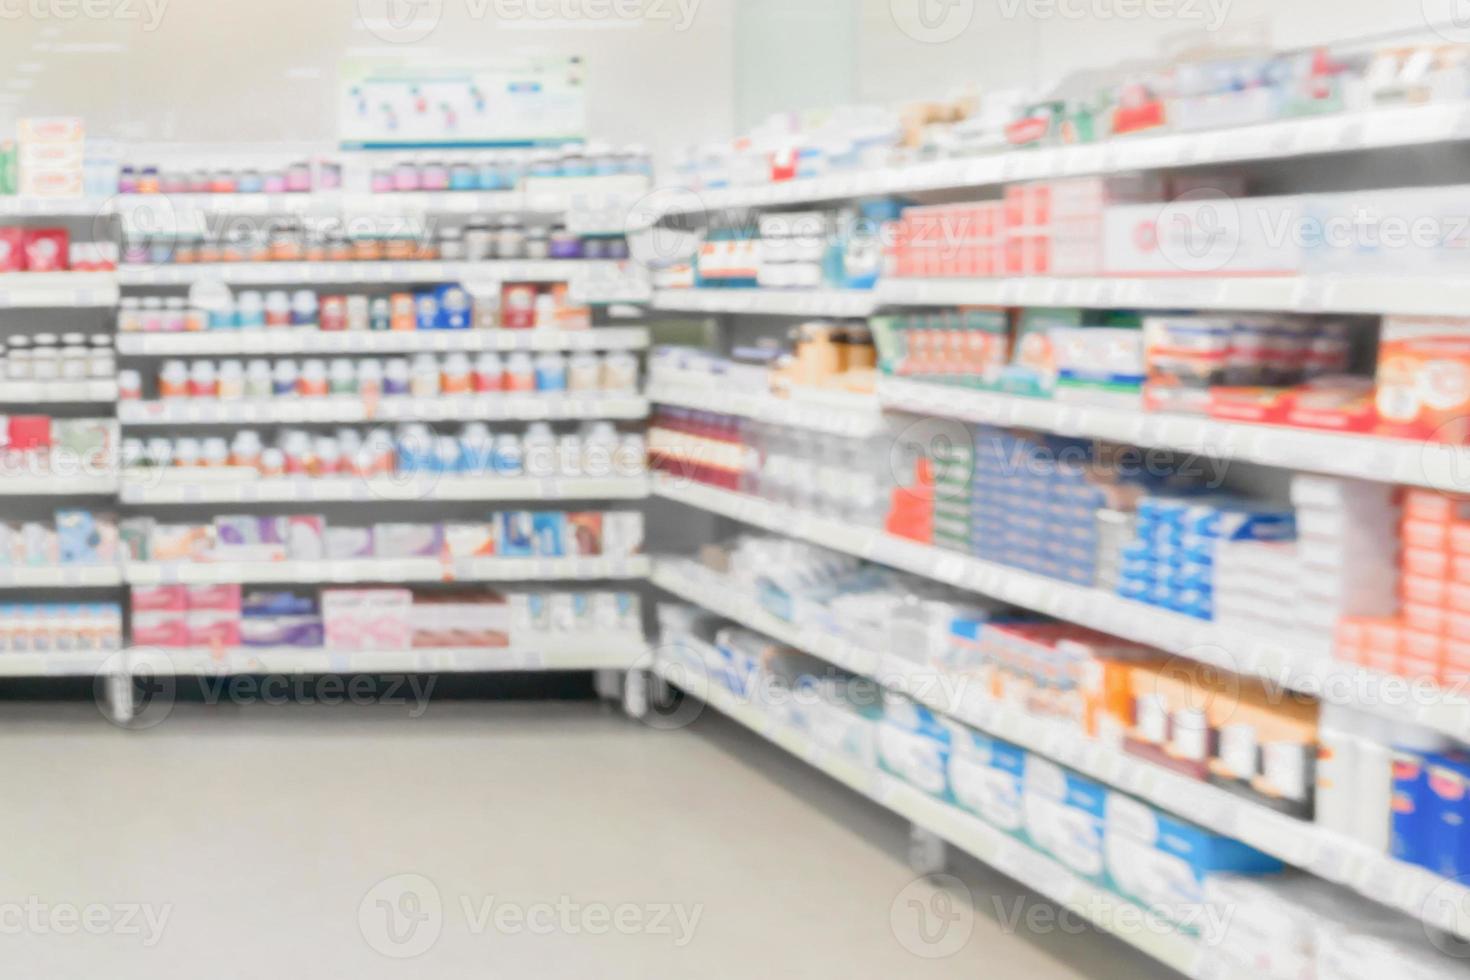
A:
(515, 534)
(622, 533)
(180, 542)
(469, 540)
(218, 598)
(584, 533)
(1214, 236)
(368, 619)
(266, 632)
(920, 759)
(1099, 365)
(480, 620)
(346, 543)
(159, 598)
(80, 538)
(1064, 817)
(213, 628)
(548, 531)
(160, 629)
(305, 536)
(12, 249)
(408, 540)
(1424, 378)
(1162, 862)
(987, 777)
(46, 249)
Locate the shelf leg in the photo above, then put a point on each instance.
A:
(608, 684)
(636, 694)
(120, 702)
(928, 854)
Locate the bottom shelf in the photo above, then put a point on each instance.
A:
(1109, 913)
(600, 652)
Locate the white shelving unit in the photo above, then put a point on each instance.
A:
(1401, 886)
(968, 833)
(837, 413)
(57, 663)
(145, 487)
(46, 290)
(60, 577)
(349, 408)
(1298, 663)
(221, 343)
(1349, 132)
(78, 485)
(58, 392)
(387, 570)
(606, 651)
(1361, 456)
(771, 302)
(304, 273)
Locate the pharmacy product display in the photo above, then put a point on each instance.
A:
(73, 538)
(1170, 96)
(24, 249)
(45, 357)
(819, 358)
(49, 628)
(43, 446)
(373, 619)
(595, 449)
(304, 538)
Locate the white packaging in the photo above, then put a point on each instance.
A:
(1213, 235)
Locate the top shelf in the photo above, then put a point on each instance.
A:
(1349, 132)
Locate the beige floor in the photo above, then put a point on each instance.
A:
(284, 842)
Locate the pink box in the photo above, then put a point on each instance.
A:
(209, 628)
(160, 598)
(219, 598)
(160, 629)
(368, 619)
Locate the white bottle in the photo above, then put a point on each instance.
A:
(584, 372)
(1337, 762)
(510, 455)
(620, 372)
(245, 450)
(231, 380)
(258, 379)
(540, 449)
(424, 379)
(569, 458)
(599, 450)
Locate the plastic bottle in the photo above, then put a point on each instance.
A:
(231, 380)
(380, 314)
(342, 378)
(313, 381)
(245, 450)
(620, 372)
(539, 446)
(396, 377)
(489, 373)
(129, 385)
(250, 309)
(284, 378)
(258, 379)
(277, 309)
(370, 380)
(215, 452)
(186, 451)
(203, 380)
(510, 455)
(551, 372)
(584, 372)
(424, 381)
(304, 308)
(520, 372)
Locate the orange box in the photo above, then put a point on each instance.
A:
(1380, 660)
(1457, 596)
(1428, 505)
(1426, 534)
(1457, 652)
(1424, 591)
(1426, 562)
(1420, 669)
(1457, 626)
(1459, 568)
(1423, 647)
(1424, 378)
(1459, 538)
(1424, 619)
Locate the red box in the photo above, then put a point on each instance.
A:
(46, 249)
(12, 250)
(159, 598)
(219, 598)
(30, 432)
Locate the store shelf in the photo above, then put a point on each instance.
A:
(44, 290)
(306, 341)
(144, 487)
(838, 413)
(57, 392)
(387, 570)
(348, 409)
(1404, 887)
(287, 273)
(1349, 132)
(60, 577)
(605, 651)
(770, 302)
(78, 485)
(57, 663)
(964, 831)
(1363, 457)
(1300, 294)
(1298, 663)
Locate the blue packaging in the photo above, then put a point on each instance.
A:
(1065, 817)
(1415, 814)
(549, 531)
(1449, 789)
(515, 534)
(456, 311)
(77, 536)
(987, 778)
(426, 310)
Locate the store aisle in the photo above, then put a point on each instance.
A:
(553, 841)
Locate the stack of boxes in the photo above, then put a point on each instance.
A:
(1346, 547)
(176, 616)
(52, 155)
(1430, 635)
(1171, 562)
